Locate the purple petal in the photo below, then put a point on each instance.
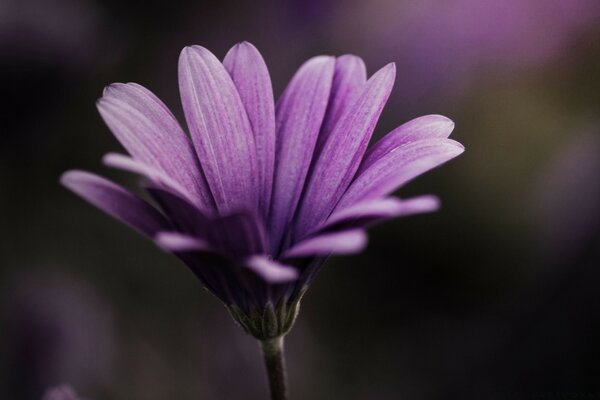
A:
(270, 270)
(426, 127)
(220, 130)
(344, 242)
(397, 167)
(183, 214)
(370, 211)
(115, 201)
(152, 135)
(349, 79)
(178, 242)
(239, 235)
(159, 178)
(300, 113)
(343, 151)
(251, 77)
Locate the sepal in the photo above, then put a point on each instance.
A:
(269, 322)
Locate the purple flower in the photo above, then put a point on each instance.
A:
(263, 193)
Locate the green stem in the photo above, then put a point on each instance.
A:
(274, 362)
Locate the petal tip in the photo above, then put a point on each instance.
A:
(72, 178)
(360, 241)
(446, 122)
(460, 148)
(112, 160)
(186, 52)
(441, 119)
(67, 178)
(322, 60)
(177, 242)
(427, 203)
(385, 76)
(390, 68)
(270, 270)
(244, 44)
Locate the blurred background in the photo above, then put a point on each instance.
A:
(494, 297)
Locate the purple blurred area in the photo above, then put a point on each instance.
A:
(493, 297)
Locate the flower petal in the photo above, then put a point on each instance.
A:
(220, 130)
(270, 270)
(425, 127)
(115, 201)
(239, 235)
(184, 215)
(344, 242)
(369, 211)
(343, 151)
(179, 243)
(251, 77)
(126, 163)
(349, 79)
(152, 135)
(397, 167)
(299, 114)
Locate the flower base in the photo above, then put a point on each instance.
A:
(269, 323)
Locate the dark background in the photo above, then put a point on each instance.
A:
(494, 297)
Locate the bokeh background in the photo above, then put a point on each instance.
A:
(494, 297)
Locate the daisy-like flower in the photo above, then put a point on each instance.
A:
(261, 193)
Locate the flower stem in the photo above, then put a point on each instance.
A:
(274, 362)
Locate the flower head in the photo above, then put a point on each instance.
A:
(260, 194)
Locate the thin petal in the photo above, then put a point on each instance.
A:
(270, 270)
(344, 242)
(343, 151)
(426, 127)
(178, 242)
(369, 211)
(220, 130)
(349, 79)
(251, 77)
(397, 167)
(126, 163)
(152, 135)
(300, 113)
(115, 201)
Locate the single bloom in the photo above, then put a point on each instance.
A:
(261, 192)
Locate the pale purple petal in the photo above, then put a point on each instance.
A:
(300, 113)
(251, 77)
(349, 79)
(397, 167)
(426, 127)
(115, 201)
(178, 242)
(270, 270)
(220, 130)
(152, 135)
(126, 163)
(344, 242)
(369, 211)
(343, 151)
